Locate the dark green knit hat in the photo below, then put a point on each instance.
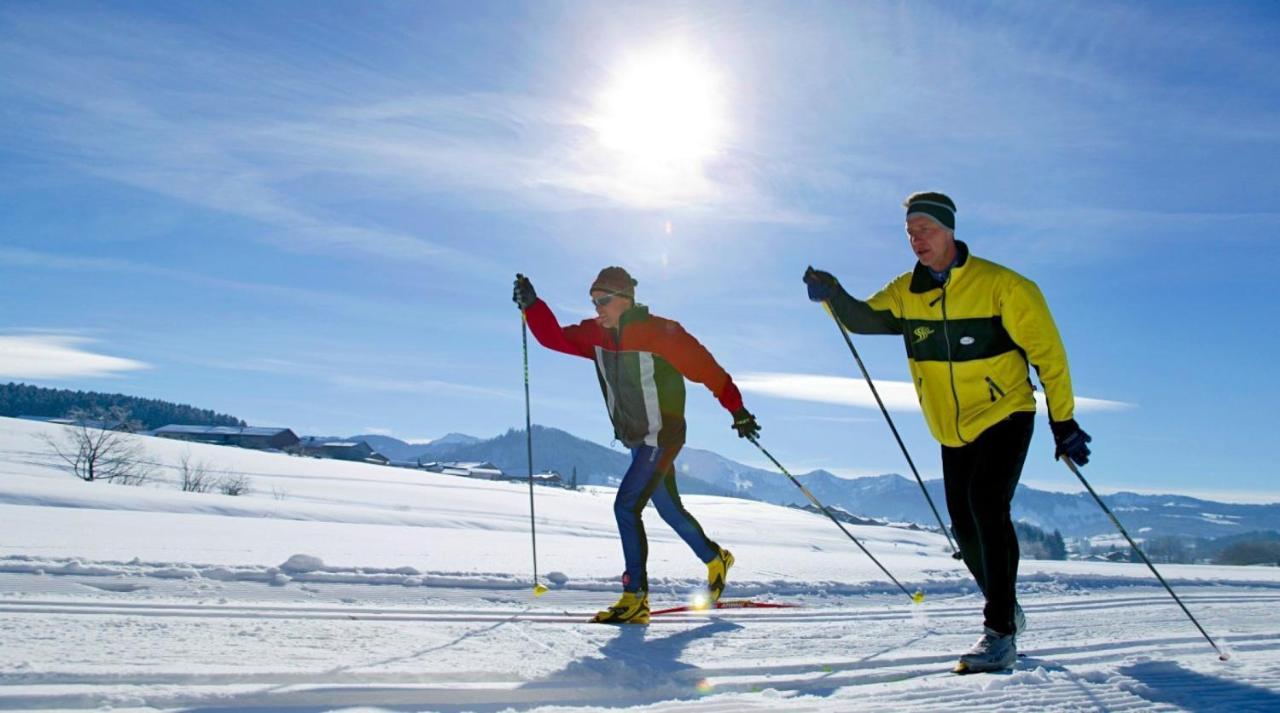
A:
(937, 206)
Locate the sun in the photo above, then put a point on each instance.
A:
(662, 110)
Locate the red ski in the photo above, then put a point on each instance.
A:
(725, 604)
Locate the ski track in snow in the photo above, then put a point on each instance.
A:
(335, 645)
(338, 585)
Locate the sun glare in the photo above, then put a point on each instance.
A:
(662, 110)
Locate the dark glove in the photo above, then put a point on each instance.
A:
(745, 424)
(523, 294)
(822, 285)
(1071, 441)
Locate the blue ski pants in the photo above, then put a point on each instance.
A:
(652, 476)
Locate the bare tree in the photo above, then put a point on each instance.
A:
(234, 484)
(98, 446)
(195, 476)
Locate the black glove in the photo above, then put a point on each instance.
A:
(745, 424)
(523, 294)
(822, 285)
(1071, 441)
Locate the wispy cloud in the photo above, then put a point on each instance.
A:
(328, 299)
(897, 395)
(1223, 495)
(58, 357)
(163, 107)
(432, 387)
(392, 433)
(830, 419)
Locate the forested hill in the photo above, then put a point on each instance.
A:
(27, 400)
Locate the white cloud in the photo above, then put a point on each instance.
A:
(832, 419)
(331, 298)
(253, 135)
(429, 387)
(897, 395)
(1224, 495)
(57, 357)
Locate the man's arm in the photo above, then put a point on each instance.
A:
(570, 340)
(695, 363)
(880, 314)
(1026, 316)
(1027, 319)
(547, 330)
(875, 316)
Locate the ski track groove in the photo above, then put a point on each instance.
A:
(1088, 675)
(489, 690)
(433, 615)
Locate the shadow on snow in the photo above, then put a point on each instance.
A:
(1167, 682)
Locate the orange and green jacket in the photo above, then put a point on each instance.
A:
(642, 366)
(969, 342)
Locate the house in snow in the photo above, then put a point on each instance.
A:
(549, 477)
(263, 439)
(483, 470)
(337, 449)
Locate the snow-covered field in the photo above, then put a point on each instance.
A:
(335, 585)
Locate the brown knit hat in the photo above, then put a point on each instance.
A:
(615, 280)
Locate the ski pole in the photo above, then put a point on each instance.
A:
(955, 551)
(538, 588)
(917, 597)
(1222, 655)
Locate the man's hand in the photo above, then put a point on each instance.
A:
(745, 424)
(523, 294)
(822, 285)
(1071, 441)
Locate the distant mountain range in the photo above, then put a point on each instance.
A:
(888, 497)
(398, 450)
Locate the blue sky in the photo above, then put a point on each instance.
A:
(310, 214)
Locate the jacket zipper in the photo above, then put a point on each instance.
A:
(993, 388)
(951, 366)
(617, 345)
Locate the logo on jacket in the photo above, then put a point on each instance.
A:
(922, 333)
(966, 341)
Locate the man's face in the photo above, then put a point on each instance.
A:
(933, 244)
(609, 307)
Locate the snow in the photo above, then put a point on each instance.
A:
(336, 584)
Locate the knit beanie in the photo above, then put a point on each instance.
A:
(937, 206)
(615, 280)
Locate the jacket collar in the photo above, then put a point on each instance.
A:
(637, 313)
(922, 279)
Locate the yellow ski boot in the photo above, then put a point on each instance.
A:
(632, 608)
(717, 573)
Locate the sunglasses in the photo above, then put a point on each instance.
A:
(604, 300)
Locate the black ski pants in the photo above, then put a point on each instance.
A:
(980, 479)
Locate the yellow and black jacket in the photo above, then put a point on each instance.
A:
(969, 342)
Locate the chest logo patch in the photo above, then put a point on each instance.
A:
(966, 341)
(922, 333)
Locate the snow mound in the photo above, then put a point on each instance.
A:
(301, 564)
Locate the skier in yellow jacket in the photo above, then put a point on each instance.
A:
(971, 329)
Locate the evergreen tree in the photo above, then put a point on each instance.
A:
(26, 400)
